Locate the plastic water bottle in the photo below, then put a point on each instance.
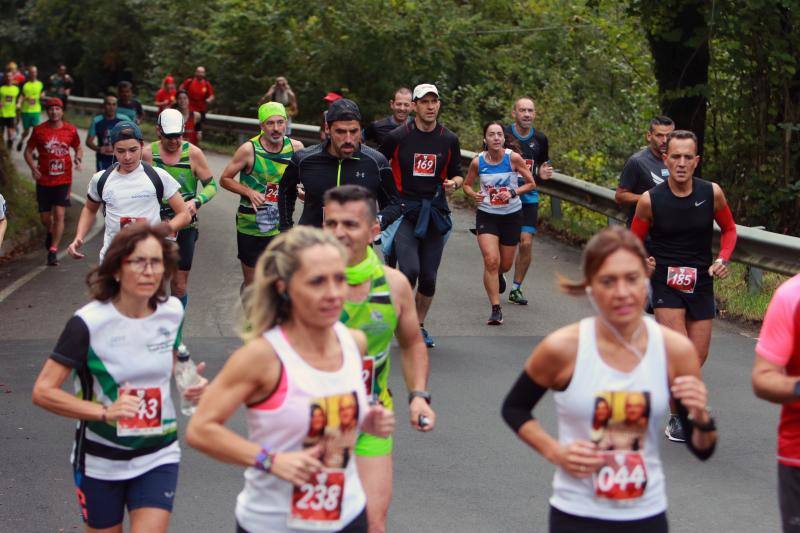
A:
(185, 376)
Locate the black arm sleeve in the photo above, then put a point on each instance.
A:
(688, 429)
(287, 193)
(388, 193)
(454, 165)
(520, 401)
(545, 149)
(387, 146)
(72, 348)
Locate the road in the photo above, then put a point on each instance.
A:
(470, 475)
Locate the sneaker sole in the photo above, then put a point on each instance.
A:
(494, 323)
(671, 438)
(518, 303)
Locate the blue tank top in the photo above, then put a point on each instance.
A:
(495, 178)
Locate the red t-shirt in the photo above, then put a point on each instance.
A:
(163, 95)
(779, 343)
(52, 145)
(198, 91)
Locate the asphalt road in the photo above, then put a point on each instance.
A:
(470, 475)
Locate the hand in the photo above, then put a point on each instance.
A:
(301, 193)
(450, 185)
(692, 393)
(72, 249)
(379, 422)
(191, 206)
(719, 270)
(580, 458)
(256, 198)
(546, 170)
(297, 467)
(126, 405)
(417, 407)
(37, 174)
(194, 392)
(478, 197)
(78, 163)
(651, 265)
(503, 196)
(106, 150)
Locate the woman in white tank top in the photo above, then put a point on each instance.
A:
(300, 377)
(612, 377)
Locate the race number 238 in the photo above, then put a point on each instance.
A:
(148, 415)
(623, 476)
(425, 165)
(682, 279)
(318, 503)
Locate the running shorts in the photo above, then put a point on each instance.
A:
(103, 502)
(561, 522)
(789, 497)
(30, 120)
(699, 304)
(250, 247)
(187, 237)
(49, 196)
(506, 227)
(530, 217)
(8, 122)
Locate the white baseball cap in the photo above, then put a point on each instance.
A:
(170, 121)
(423, 89)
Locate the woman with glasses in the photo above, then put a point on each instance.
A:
(120, 350)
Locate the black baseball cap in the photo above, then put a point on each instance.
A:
(344, 109)
(125, 129)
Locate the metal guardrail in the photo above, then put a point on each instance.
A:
(755, 247)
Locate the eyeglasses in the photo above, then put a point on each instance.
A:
(173, 136)
(140, 264)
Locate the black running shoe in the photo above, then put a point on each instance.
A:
(496, 318)
(674, 430)
(502, 279)
(19, 146)
(48, 241)
(52, 259)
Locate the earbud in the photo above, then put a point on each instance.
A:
(589, 291)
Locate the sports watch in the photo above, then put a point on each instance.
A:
(264, 460)
(425, 395)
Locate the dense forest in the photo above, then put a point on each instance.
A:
(597, 69)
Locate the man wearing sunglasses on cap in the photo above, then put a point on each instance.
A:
(188, 165)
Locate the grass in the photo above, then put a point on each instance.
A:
(23, 213)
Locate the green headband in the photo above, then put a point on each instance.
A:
(270, 109)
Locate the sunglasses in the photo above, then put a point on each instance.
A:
(173, 135)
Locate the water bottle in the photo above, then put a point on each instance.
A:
(185, 376)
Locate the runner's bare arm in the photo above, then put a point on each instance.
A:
(361, 340)
(182, 217)
(85, 223)
(771, 383)
(469, 181)
(200, 168)
(520, 167)
(147, 154)
(626, 197)
(242, 161)
(30, 161)
(90, 142)
(296, 145)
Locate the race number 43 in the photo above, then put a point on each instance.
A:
(682, 279)
(425, 165)
(623, 476)
(148, 415)
(318, 503)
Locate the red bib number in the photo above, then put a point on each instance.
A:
(148, 417)
(493, 192)
(623, 476)
(318, 503)
(682, 278)
(9, 99)
(425, 165)
(271, 193)
(125, 221)
(368, 373)
(31, 101)
(56, 167)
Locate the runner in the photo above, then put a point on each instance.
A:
(30, 104)
(775, 378)
(98, 137)
(201, 95)
(499, 171)
(53, 173)
(260, 163)
(426, 161)
(3, 219)
(281, 92)
(60, 85)
(679, 216)
(612, 377)
(126, 450)
(16, 75)
(380, 303)
(9, 92)
(340, 160)
(188, 165)
(299, 375)
(130, 191)
(127, 105)
(645, 169)
(534, 147)
(165, 96)
(190, 118)
(400, 105)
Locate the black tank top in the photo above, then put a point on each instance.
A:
(682, 227)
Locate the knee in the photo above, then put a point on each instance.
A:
(491, 264)
(525, 246)
(411, 271)
(427, 286)
(178, 287)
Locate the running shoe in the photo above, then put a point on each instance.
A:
(52, 259)
(674, 430)
(496, 318)
(19, 146)
(48, 241)
(429, 342)
(502, 279)
(516, 297)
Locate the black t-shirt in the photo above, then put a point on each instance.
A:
(422, 160)
(72, 348)
(132, 109)
(535, 147)
(642, 172)
(378, 130)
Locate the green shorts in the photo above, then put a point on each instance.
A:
(30, 120)
(371, 446)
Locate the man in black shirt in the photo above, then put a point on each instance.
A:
(426, 161)
(401, 110)
(340, 160)
(645, 169)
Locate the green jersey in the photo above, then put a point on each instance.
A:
(265, 177)
(31, 95)
(8, 101)
(182, 172)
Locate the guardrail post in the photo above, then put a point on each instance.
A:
(555, 208)
(755, 279)
(614, 222)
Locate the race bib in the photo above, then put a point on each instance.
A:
(318, 503)
(623, 476)
(682, 279)
(56, 167)
(529, 162)
(493, 192)
(126, 221)
(368, 373)
(271, 193)
(267, 217)
(31, 101)
(9, 99)
(173, 236)
(424, 165)
(148, 417)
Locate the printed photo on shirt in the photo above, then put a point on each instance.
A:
(620, 420)
(333, 425)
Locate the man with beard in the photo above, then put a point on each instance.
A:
(401, 111)
(340, 160)
(261, 164)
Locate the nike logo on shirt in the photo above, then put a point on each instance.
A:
(698, 204)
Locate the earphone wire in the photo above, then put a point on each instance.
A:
(631, 348)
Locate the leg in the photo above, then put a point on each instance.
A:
(430, 257)
(506, 257)
(376, 477)
(490, 249)
(789, 497)
(178, 284)
(699, 332)
(150, 498)
(523, 257)
(58, 225)
(407, 250)
(47, 220)
(248, 273)
(673, 318)
(102, 504)
(149, 520)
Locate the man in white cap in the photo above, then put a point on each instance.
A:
(260, 163)
(426, 161)
(188, 165)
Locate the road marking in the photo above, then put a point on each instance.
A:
(98, 225)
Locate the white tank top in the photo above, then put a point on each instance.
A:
(266, 501)
(623, 412)
(496, 177)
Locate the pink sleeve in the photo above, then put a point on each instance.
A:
(776, 342)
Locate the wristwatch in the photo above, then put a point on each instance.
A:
(264, 460)
(513, 193)
(721, 261)
(797, 388)
(708, 427)
(425, 395)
